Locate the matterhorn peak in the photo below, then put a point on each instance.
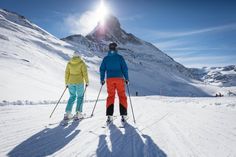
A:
(110, 31)
(110, 23)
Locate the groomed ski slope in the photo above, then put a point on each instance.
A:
(166, 126)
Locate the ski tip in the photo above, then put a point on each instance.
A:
(63, 124)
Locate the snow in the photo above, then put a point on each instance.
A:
(32, 64)
(166, 126)
(218, 76)
(151, 71)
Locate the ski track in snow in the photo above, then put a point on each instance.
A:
(166, 126)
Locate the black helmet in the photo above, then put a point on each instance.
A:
(112, 46)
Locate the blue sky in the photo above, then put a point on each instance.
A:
(194, 33)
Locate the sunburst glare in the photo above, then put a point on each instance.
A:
(102, 12)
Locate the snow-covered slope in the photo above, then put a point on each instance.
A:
(32, 64)
(166, 126)
(151, 70)
(32, 61)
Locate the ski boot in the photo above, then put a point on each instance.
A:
(109, 119)
(78, 116)
(124, 120)
(67, 116)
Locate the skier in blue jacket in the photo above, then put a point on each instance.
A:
(116, 70)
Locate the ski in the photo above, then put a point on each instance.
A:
(71, 120)
(65, 122)
(109, 123)
(83, 116)
(123, 124)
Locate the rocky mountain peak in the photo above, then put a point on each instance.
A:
(110, 31)
(111, 23)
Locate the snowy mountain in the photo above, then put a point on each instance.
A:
(220, 76)
(32, 61)
(151, 70)
(32, 64)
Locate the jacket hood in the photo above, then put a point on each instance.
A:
(75, 60)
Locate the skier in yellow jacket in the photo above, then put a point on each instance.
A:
(75, 77)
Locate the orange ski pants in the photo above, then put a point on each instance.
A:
(113, 85)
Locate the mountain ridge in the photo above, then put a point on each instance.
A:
(38, 61)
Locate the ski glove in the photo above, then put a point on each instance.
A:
(86, 85)
(102, 82)
(127, 82)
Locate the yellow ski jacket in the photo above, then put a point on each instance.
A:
(76, 71)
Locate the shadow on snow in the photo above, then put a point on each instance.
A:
(46, 142)
(127, 144)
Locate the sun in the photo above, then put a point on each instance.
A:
(102, 12)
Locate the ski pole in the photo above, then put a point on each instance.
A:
(96, 100)
(84, 93)
(131, 103)
(58, 102)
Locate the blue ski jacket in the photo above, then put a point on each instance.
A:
(114, 66)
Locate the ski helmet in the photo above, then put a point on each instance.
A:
(112, 46)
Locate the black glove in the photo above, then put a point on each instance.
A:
(102, 82)
(127, 82)
(86, 85)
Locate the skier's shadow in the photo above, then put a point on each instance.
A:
(45, 142)
(129, 144)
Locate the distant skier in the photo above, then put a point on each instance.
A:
(116, 70)
(75, 77)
